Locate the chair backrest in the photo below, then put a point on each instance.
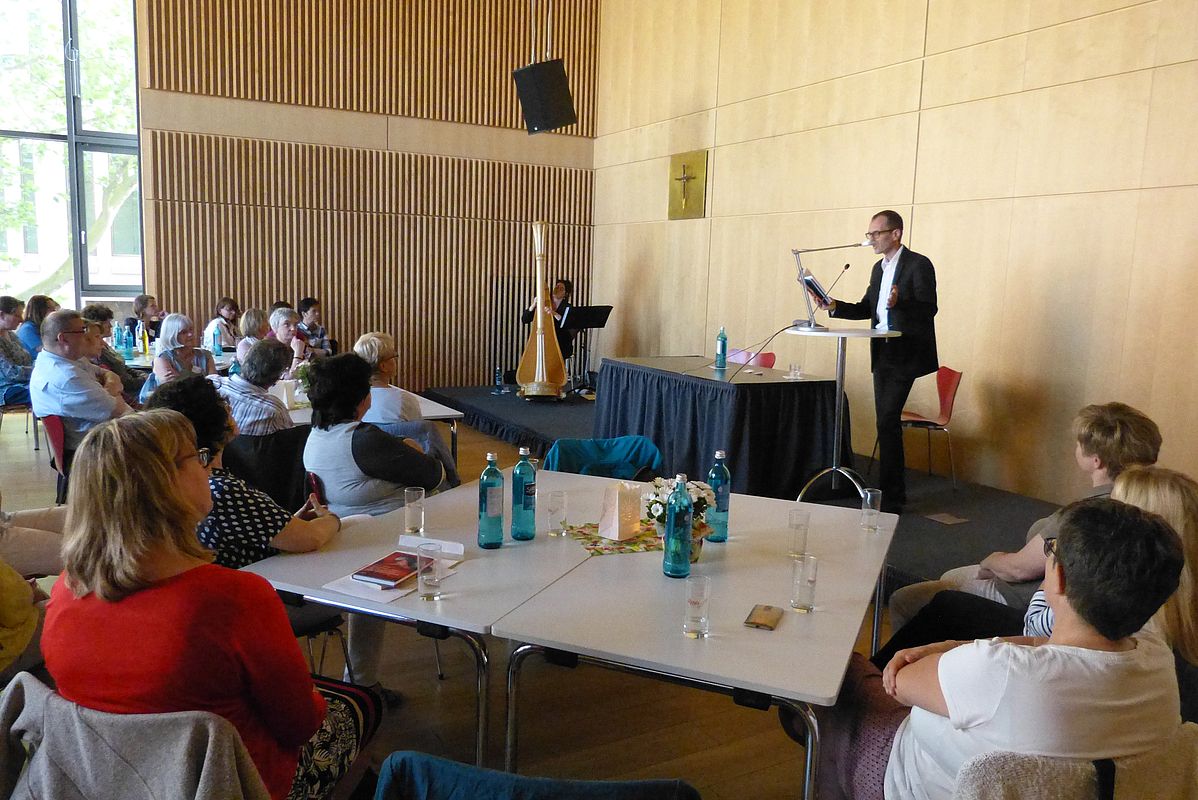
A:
(273, 463)
(1170, 770)
(947, 381)
(76, 752)
(752, 359)
(56, 436)
(416, 776)
(623, 457)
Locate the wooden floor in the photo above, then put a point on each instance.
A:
(581, 723)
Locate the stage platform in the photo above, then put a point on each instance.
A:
(535, 424)
(923, 547)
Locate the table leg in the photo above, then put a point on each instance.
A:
(453, 439)
(513, 678)
(482, 664)
(879, 591)
(811, 766)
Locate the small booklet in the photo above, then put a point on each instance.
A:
(389, 571)
(816, 288)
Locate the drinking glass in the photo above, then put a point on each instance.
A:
(800, 522)
(796, 371)
(871, 504)
(413, 510)
(428, 570)
(696, 623)
(558, 509)
(802, 596)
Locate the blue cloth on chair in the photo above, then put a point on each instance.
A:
(622, 457)
(415, 776)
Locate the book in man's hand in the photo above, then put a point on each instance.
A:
(389, 571)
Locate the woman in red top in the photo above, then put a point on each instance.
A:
(143, 623)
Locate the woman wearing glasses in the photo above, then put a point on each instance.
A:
(245, 525)
(208, 638)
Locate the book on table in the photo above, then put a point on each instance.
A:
(389, 571)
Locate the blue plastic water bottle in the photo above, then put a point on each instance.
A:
(490, 506)
(217, 350)
(720, 480)
(118, 339)
(679, 514)
(126, 343)
(234, 367)
(524, 499)
(721, 349)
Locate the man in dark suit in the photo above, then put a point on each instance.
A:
(901, 297)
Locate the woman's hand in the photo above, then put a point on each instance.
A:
(313, 509)
(907, 657)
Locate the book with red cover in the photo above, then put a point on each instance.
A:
(389, 571)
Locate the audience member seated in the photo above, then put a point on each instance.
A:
(396, 410)
(178, 351)
(255, 409)
(181, 633)
(283, 323)
(22, 615)
(16, 365)
(224, 321)
(310, 327)
(63, 385)
(255, 324)
(99, 318)
(1110, 437)
(388, 403)
(363, 469)
(146, 311)
(245, 525)
(30, 331)
(1102, 686)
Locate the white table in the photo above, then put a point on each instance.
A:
(621, 612)
(429, 409)
(484, 587)
(144, 362)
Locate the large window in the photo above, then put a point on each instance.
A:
(70, 210)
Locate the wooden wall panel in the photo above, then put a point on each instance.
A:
(447, 60)
(423, 247)
(1042, 156)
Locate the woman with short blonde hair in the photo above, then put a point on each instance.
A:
(388, 403)
(254, 325)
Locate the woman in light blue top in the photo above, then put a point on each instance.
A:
(177, 354)
(36, 310)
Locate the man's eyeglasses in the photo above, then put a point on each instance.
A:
(871, 235)
(84, 329)
(1050, 547)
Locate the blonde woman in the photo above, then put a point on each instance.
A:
(255, 323)
(208, 638)
(178, 350)
(388, 403)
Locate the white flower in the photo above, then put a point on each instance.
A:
(655, 509)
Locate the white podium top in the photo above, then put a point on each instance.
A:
(622, 608)
(844, 333)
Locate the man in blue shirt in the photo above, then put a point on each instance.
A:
(64, 384)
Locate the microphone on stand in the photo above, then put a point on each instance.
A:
(838, 277)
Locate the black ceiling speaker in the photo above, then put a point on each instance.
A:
(545, 96)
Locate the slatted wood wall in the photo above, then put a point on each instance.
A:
(435, 250)
(445, 60)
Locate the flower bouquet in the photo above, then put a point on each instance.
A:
(702, 498)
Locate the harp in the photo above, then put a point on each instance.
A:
(542, 370)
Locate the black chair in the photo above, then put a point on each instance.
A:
(310, 621)
(273, 463)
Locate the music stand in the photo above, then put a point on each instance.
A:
(583, 319)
